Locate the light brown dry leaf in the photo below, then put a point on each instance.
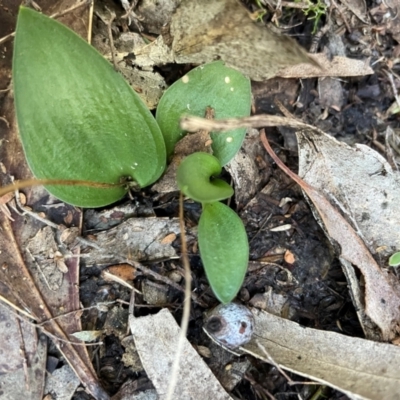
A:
(359, 8)
(338, 66)
(223, 29)
(362, 369)
(202, 32)
(156, 339)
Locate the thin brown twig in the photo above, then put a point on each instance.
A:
(111, 39)
(90, 25)
(193, 124)
(186, 304)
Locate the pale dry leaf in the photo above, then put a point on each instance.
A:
(362, 369)
(202, 32)
(222, 29)
(156, 340)
(137, 238)
(338, 66)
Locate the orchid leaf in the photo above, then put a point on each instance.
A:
(213, 85)
(224, 249)
(78, 118)
(196, 178)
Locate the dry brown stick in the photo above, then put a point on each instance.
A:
(193, 124)
(186, 304)
(111, 39)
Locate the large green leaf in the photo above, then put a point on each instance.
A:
(196, 178)
(224, 89)
(224, 249)
(77, 117)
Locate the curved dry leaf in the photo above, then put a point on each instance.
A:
(362, 369)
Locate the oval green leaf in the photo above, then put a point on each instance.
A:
(224, 250)
(78, 119)
(394, 260)
(224, 89)
(195, 177)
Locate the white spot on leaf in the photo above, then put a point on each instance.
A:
(227, 79)
(185, 79)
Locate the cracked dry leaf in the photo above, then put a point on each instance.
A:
(138, 238)
(202, 32)
(382, 297)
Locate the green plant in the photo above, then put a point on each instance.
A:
(394, 260)
(314, 12)
(79, 120)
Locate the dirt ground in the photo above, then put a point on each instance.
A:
(297, 267)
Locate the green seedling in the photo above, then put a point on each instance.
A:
(196, 178)
(314, 12)
(81, 123)
(225, 90)
(224, 249)
(394, 260)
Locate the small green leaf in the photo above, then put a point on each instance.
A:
(394, 260)
(78, 119)
(224, 250)
(224, 89)
(195, 178)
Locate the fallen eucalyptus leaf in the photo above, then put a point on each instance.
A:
(156, 341)
(201, 32)
(362, 369)
(223, 29)
(77, 117)
(224, 249)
